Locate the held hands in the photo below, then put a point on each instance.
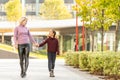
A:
(36, 44)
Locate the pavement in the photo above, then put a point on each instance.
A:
(9, 55)
(38, 70)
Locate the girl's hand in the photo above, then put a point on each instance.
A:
(36, 44)
(58, 53)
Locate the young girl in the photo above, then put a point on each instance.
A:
(52, 50)
(22, 38)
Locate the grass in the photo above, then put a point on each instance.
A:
(41, 54)
(6, 47)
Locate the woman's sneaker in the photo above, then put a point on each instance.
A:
(52, 73)
(23, 74)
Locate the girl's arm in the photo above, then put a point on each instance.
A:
(57, 48)
(43, 43)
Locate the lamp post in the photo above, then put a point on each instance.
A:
(76, 46)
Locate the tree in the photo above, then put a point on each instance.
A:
(84, 11)
(95, 14)
(54, 9)
(13, 10)
(102, 16)
(114, 9)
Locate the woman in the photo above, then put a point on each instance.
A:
(22, 38)
(52, 50)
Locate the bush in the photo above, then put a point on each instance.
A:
(96, 63)
(72, 59)
(83, 61)
(112, 64)
(75, 59)
(68, 58)
(107, 63)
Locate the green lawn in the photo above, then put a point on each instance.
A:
(38, 54)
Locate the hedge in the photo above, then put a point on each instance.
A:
(103, 63)
(72, 59)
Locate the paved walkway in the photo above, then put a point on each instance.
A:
(8, 55)
(10, 70)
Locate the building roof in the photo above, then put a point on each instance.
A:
(39, 27)
(43, 24)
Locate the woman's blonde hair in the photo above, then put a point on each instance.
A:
(22, 19)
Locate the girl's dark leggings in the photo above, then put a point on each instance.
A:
(51, 60)
(23, 50)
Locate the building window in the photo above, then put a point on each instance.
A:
(69, 7)
(68, 1)
(3, 18)
(2, 8)
(30, 7)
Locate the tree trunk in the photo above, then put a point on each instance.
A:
(92, 41)
(86, 39)
(102, 33)
(116, 37)
(102, 39)
(117, 33)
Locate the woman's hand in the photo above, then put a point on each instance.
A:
(16, 46)
(36, 44)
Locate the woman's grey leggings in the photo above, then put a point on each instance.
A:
(23, 50)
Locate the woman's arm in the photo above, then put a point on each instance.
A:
(31, 38)
(15, 36)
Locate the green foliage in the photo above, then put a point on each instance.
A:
(91, 13)
(68, 59)
(54, 9)
(72, 59)
(103, 63)
(96, 63)
(83, 61)
(13, 10)
(75, 59)
(114, 64)
(99, 14)
(114, 9)
(42, 52)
